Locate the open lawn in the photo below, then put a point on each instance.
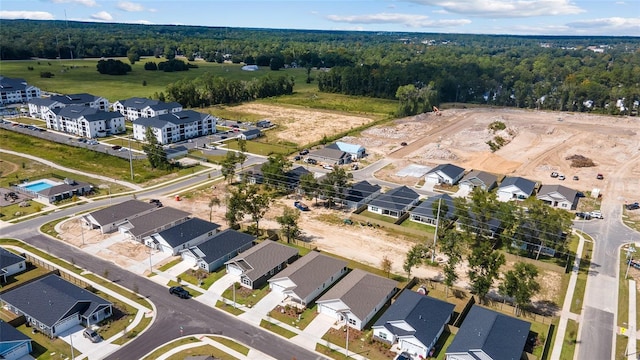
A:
(171, 345)
(231, 344)
(295, 316)
(277, 329)
(261, 147)
(204, 350)
(581, 282)
(45, 348)
(359, 342)
(202, 278)
(228, 308)
(244, 296)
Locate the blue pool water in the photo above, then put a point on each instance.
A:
(38, 186)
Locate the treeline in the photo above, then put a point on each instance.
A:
(113, 67)
(209, 90)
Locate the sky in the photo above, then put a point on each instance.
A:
(516, 17)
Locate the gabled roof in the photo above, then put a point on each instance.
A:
(252, 132)
(75, 112)
(525, 185)
(500, 336)
(160, 105)
(450, 170)
(293, 176)
(426, 207)
(426, 315)
(103, 115)
(361, 190)
(75, 99)
(51, 299)
(12, 84)
(146, 224)
(263, 257)
(10, 334)
(346, 147)
(477, 178)
(310, 271)
(7, 258)
(186, 231)
(361, 291)
(176, 118)
(221, 244)
(395, 199)
(137, 103)
(329, 153)
(121, 211)
(568, 194)
(63, 188)
(42, 101)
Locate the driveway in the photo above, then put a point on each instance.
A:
(260, 310)
(92, 350)
(214, 293)
(313, 333)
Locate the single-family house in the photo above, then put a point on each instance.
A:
(250, 134)
(41, 107)
(136, 107)
(558, 196)
(304, 280)
(330, 156)
(356, 151)
(415, 322)
(395, 202)
(357, 298)
(53, 305)
(181, 236)
(85, 121)
(109, 218)
(14, 345)
(444, 174)
(258, 264)
(515, 188)
(10, 264)
(424, 212)
(489, 335)
(360, 194)
(478, 179)
(150, 223)
(16, 90)
(214, 252)
(175, 127)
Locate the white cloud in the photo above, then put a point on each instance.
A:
(409, 20)
(102, 16)
(89, 3)
(505, 8)
(31, 15)
(620, 3)
(129, 6)
(616, 25)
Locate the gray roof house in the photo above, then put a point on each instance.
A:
(108, 219)
(181, 236)
(515, 188)
(258, 264)
(16, 90)
(144, 225)
(330, 156)
(444, 174)
(395, 202)
(357, 298)
(250, 134)
(478, 179)
(304, 280)
(136, 107)
(53, 305)
(360, 193)
(415, 322)
(65, 190)
(176, 126)
(14, 345)
(214, 252)
(486, 334)
(10, 264)
(356, 151)
(423, 213)
(558, 196)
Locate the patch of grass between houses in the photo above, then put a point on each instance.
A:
(277, 329)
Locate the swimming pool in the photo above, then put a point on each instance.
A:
(38, 185)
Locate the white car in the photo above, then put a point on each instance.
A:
(596, 214)
(328, 167)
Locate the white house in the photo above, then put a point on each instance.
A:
(444, 174)
(395, 202)
(261, 262)
(250, 134)
(39, 107)
(182, 236)
(215, 251)
(109, 218)
(85, 121)
(15, 90)
(136, 107)
(10, 264)
(478, 179)
(515, 188)
(558, 196)
(175, 127)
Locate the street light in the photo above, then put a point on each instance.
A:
(345, 315)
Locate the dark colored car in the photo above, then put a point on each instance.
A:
(179, 291)
(599, 176)
(116, 147)
(583, 215)
(403, 144)
(304, 152)
(297, 158)
(634, 206)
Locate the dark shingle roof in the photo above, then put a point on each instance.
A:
(500, 336)
(9, 334)
(251, 132)
(138, 103)
(121, 211)
(42, 101)
(361, 190)
(328, 153)
(450, 170)
(263, 257)
(186, 231)
(567, 193)
(361, 291)
(7, 258)
(51, 299)
(477, 177)
(64, 188)
(426, 207)
(74, 112)
(146, 224)
(103, 115)
(396, 199)
(176, 118)
(75, 99)
(164, 106)
(222, 244)
(523, 184)
(12, 83)
(426, 315)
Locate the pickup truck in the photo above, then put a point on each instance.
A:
(300, 206)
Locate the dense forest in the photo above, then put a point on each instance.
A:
(599, 74)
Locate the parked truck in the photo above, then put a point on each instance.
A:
(300, 206)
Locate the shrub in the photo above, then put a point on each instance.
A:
(497, 125)
(46, 74)
(580, 161)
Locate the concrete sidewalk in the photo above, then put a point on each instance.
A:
(631, 331)
(205, 340)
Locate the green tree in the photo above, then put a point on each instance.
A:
(309, 186)
(155, 153)
(289, 223)
(133, 55)
(235, 207)
(228, 166)
(214, 201)
(385, 265)
(275, 169)
(255, 203)
(450, 247)
(415, 257)
(334, 184)
(520, 284)
(484, 267)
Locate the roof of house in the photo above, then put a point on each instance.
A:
(361, 190)
(102, 115)
(42, 101)
(9, 334)
(521, 183)
(188, 230)
(263, 257)
(346, 147)
(221, 244)
(293, 176)
(566, 192)
(137, 102)
(450, 170)
(121, 211)
(500, 336)
(7, 258)
(395, 199)
(150, 222)
(74, 112)
(63, 188)
(161, 105)
(361, 291)
(477, 178)
(51, 298)
(329, 153)
(251, 132)
(176, 118)
(75, 99)
(311, 271)
(426, 315)
(8, 84)
(426, 208)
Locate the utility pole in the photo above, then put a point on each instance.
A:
(130, 159)
(630, 250)
(435, 235)
(81, 229)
